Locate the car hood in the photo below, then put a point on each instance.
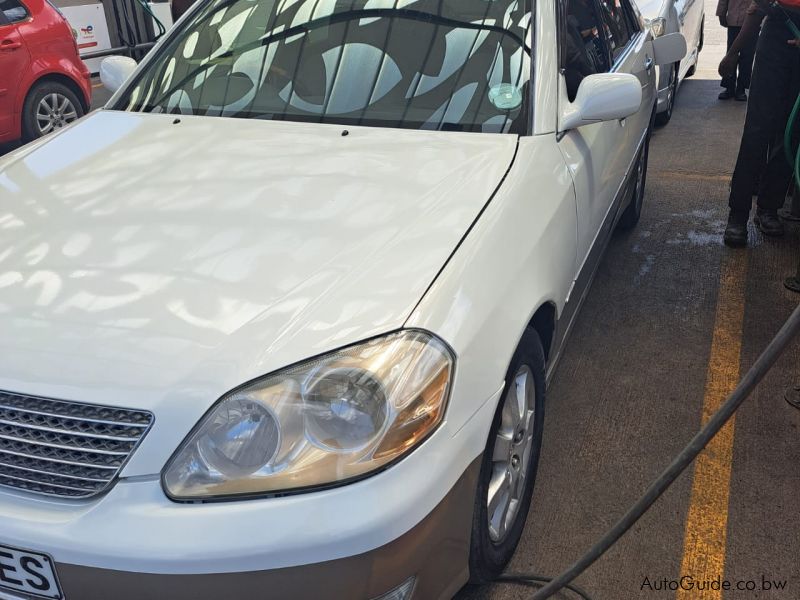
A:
(651, 9)
(155, 263)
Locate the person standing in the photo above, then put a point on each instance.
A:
(731, 15)
(761, 164)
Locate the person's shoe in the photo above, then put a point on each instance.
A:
(736, 231)
(726, 94)
(741, 96)
(769, 223)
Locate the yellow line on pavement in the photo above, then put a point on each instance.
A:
(707, 521)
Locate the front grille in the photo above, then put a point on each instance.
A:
(63, 448)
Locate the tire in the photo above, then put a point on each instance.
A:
(663, 118)
(50, 105)
(630, 217)
(493, 543)
(702, 41)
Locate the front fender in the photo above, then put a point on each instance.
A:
(520, 255)
(61, 67)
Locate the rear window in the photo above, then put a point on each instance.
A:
(13, 10)
(55, 8)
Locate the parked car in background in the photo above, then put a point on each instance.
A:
(670, 16)
(44, 85)
(278, 321)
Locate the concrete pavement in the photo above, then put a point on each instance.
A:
(100, 95)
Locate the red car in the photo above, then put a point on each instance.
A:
(44, 85)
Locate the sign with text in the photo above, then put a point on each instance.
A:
(89, 25)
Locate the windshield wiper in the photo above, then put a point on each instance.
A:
(342, 17)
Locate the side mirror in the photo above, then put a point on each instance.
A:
(669, 48)
(603, 97)
(114, 70)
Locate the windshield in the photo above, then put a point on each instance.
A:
(459, 65)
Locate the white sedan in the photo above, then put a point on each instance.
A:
(278, 321)
(675, 16)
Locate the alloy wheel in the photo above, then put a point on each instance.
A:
(511, 455)
(54, 112)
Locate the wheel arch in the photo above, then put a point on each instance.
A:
(62, 79)
(543, 323)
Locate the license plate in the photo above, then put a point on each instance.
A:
(28, 572)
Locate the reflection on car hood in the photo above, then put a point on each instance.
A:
(146, 257)
(652, 9)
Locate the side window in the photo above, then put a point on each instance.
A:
(616, 25)
(634, 25)
(13, 11)
(584, 52)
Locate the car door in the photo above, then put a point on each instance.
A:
(690, 15)
(601, 155)
(14, 60)
(631, 53)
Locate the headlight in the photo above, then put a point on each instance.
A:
(325, 421)
(658, 26)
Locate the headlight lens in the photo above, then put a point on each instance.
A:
(324, 421)
(658, 26)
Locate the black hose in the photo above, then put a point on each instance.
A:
(753, 377)
(536, 580)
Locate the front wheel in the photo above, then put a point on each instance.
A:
(49, 106)
(630, 218)
(663, 118)
(702, 41)
(510, 462)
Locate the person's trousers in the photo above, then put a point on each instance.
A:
(740, 81)
(762, 163)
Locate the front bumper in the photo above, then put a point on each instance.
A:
(354, 542)
(435, 553)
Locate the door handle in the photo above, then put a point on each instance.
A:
(10, 45)
(648, 64)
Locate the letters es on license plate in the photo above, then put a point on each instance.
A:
(29, 573)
